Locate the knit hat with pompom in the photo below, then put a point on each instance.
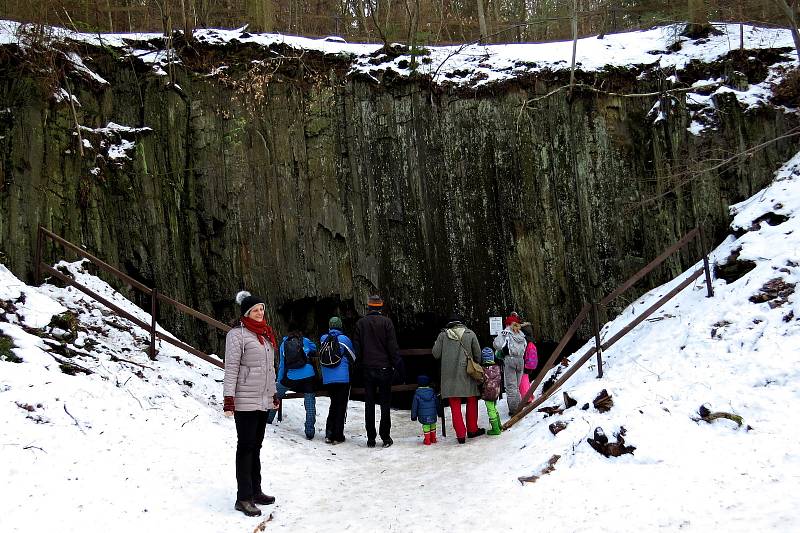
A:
(247, 302)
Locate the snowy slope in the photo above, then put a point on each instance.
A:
(134, 446)
(658, 50)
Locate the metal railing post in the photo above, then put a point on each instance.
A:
(706, 267)
(153, 334)
(596, 327)
(37, 268)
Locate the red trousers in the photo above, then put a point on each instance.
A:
(472, 415)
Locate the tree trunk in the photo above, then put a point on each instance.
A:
(259, 15)
(789, 11)
(482, 21)
(574, 45)
(698, 20)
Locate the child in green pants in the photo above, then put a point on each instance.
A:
(491, 389)
(425, 408)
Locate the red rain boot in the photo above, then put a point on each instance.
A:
(433, 436)
(427, 441)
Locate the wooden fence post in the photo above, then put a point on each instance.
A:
(37, 269)
(153, 334)
(596, 327)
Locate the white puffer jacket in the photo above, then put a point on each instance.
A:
(249, 370)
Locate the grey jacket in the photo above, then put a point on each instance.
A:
(249, 370)
(456, 383)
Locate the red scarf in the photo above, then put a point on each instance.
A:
(260, 328)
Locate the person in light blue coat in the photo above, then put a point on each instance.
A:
(298, 380)
(337, 380)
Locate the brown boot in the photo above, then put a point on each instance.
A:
(263, 499)
(247, 507)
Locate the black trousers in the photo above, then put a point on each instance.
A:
(334, 426)
(250, 427)
(378, 383)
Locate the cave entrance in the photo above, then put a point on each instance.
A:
(416, 335)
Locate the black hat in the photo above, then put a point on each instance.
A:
(247, 301)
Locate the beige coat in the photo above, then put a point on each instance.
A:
(452, 346)
(249, 370)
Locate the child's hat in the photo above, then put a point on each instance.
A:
(487, 356)
(510, 319)
(423, 380)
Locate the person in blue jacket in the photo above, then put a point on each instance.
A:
(298, 380)
(425, 408)
(337, 380)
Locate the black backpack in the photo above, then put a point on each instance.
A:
(330, 353)
(294, 356)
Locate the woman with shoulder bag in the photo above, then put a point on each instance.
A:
(453, 346)
(249, 391)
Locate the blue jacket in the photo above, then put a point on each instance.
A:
(298, 373)
(341, 372)
(425, 406)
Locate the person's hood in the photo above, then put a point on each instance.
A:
(426, 393)
(456, 332)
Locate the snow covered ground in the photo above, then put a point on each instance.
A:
(142, 445)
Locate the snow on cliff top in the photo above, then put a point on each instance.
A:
(142, 445)
(473, 64)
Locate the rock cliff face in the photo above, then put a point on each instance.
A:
(314, 189)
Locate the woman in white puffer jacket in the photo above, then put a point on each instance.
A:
(512, 341)
(249, 391)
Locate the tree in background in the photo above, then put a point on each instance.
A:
(789, 11)
(416, 22)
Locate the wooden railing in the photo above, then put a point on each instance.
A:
(593, 308)
(156, 297)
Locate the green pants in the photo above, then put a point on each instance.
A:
(428, 427)
(491, 409)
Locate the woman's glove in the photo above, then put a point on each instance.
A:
(228, 404)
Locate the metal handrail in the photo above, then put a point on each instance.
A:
(600, 347)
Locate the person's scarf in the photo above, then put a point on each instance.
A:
(515, 341)
(260, 328)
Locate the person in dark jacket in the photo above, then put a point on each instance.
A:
(425, 407)
(337, 380)
(377, 352)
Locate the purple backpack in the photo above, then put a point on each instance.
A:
(491, 384)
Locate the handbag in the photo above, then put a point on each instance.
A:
(474, 370)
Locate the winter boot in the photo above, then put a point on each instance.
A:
(247, 507)
(476, 433)
(495, 422)
(263, 499)
(433, 436)
(427, 441)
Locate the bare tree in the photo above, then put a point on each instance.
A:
(698, 19)
(482, 20)
(789, 10)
